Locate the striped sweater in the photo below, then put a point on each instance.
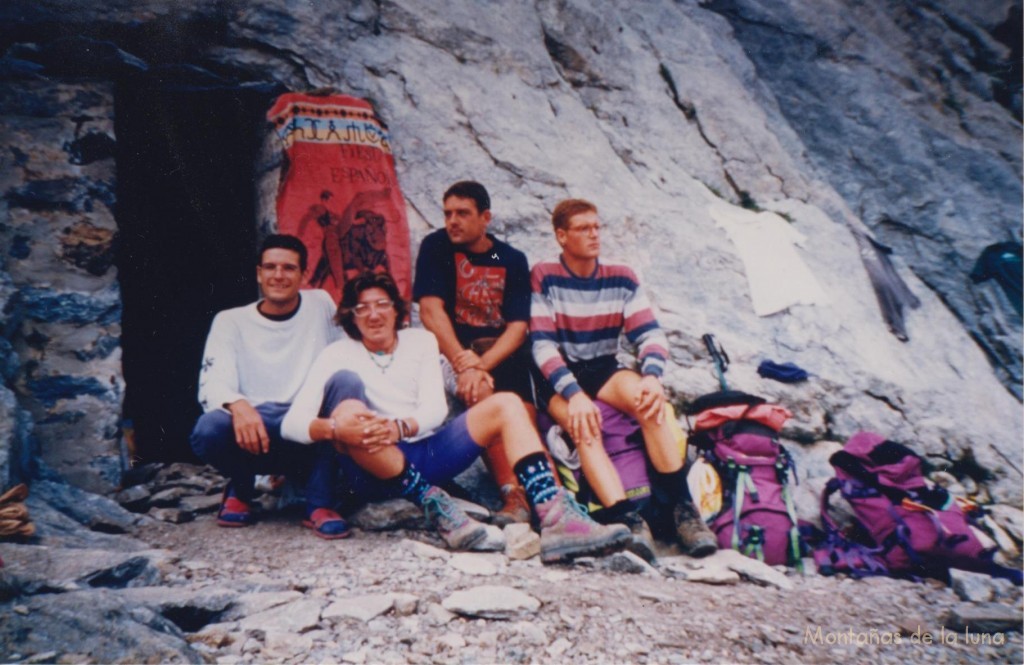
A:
(576, 318)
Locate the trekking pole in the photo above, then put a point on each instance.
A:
(719, 357)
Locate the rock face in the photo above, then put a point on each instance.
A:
(929, 97)
(59, 341)
(884, 117)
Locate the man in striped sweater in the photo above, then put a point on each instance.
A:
(579, 306)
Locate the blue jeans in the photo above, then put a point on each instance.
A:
(439, 457)
(213, 440)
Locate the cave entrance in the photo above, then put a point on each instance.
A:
(187, 148)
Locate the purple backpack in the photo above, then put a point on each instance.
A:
(902, 525)
(758, 516)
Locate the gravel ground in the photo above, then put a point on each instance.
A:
(586, 614)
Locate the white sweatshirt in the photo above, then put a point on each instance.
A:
(251, 357)
(410, 387)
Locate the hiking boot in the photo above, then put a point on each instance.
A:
(567, 532)
(694, 534)
(515, 508)
(641, 542)
(459, 530)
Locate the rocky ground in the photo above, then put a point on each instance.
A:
(193, 592)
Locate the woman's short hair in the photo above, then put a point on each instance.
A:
(346, 316)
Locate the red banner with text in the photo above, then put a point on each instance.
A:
(339, 192)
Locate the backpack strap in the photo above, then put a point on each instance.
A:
(841, 553)
(852, 557)
(782, 465)
(831, 487)
(855, 467)
(785, 464)
(901, 536)
(847, 488)
(743, 483)
(753, 543)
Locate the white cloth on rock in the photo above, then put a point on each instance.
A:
(766, 243)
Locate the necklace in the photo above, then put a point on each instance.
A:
(382, 359)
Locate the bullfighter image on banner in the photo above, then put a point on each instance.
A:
(339, 192)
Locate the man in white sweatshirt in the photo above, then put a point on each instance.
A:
(255, 360)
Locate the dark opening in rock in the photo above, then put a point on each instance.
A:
(190, 618)
(187, 143)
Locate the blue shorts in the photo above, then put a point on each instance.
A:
(439, 457)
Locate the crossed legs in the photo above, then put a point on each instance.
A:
(499, 420)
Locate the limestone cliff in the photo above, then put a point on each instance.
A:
(895, 119)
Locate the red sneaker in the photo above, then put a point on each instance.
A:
(234, 512)
(327, 524)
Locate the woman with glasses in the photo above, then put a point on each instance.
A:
(379, 397)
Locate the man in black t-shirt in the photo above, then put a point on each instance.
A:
(474, 295)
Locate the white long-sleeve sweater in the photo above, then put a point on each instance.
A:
(251, 357)
(411, 386)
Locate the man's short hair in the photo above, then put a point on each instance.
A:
(346, 316)
(568, 208)
(284, 241)
(470, 189)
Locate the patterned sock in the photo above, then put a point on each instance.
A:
(535, 476)
(411, 484)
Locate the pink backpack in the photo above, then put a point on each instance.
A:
(904, 523)
(737, 434)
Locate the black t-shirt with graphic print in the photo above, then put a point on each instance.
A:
(481, 292)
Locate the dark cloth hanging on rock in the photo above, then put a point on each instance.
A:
(1002, 262)
(892, 292)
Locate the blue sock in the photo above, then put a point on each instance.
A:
(534, 474)
(411, 484)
